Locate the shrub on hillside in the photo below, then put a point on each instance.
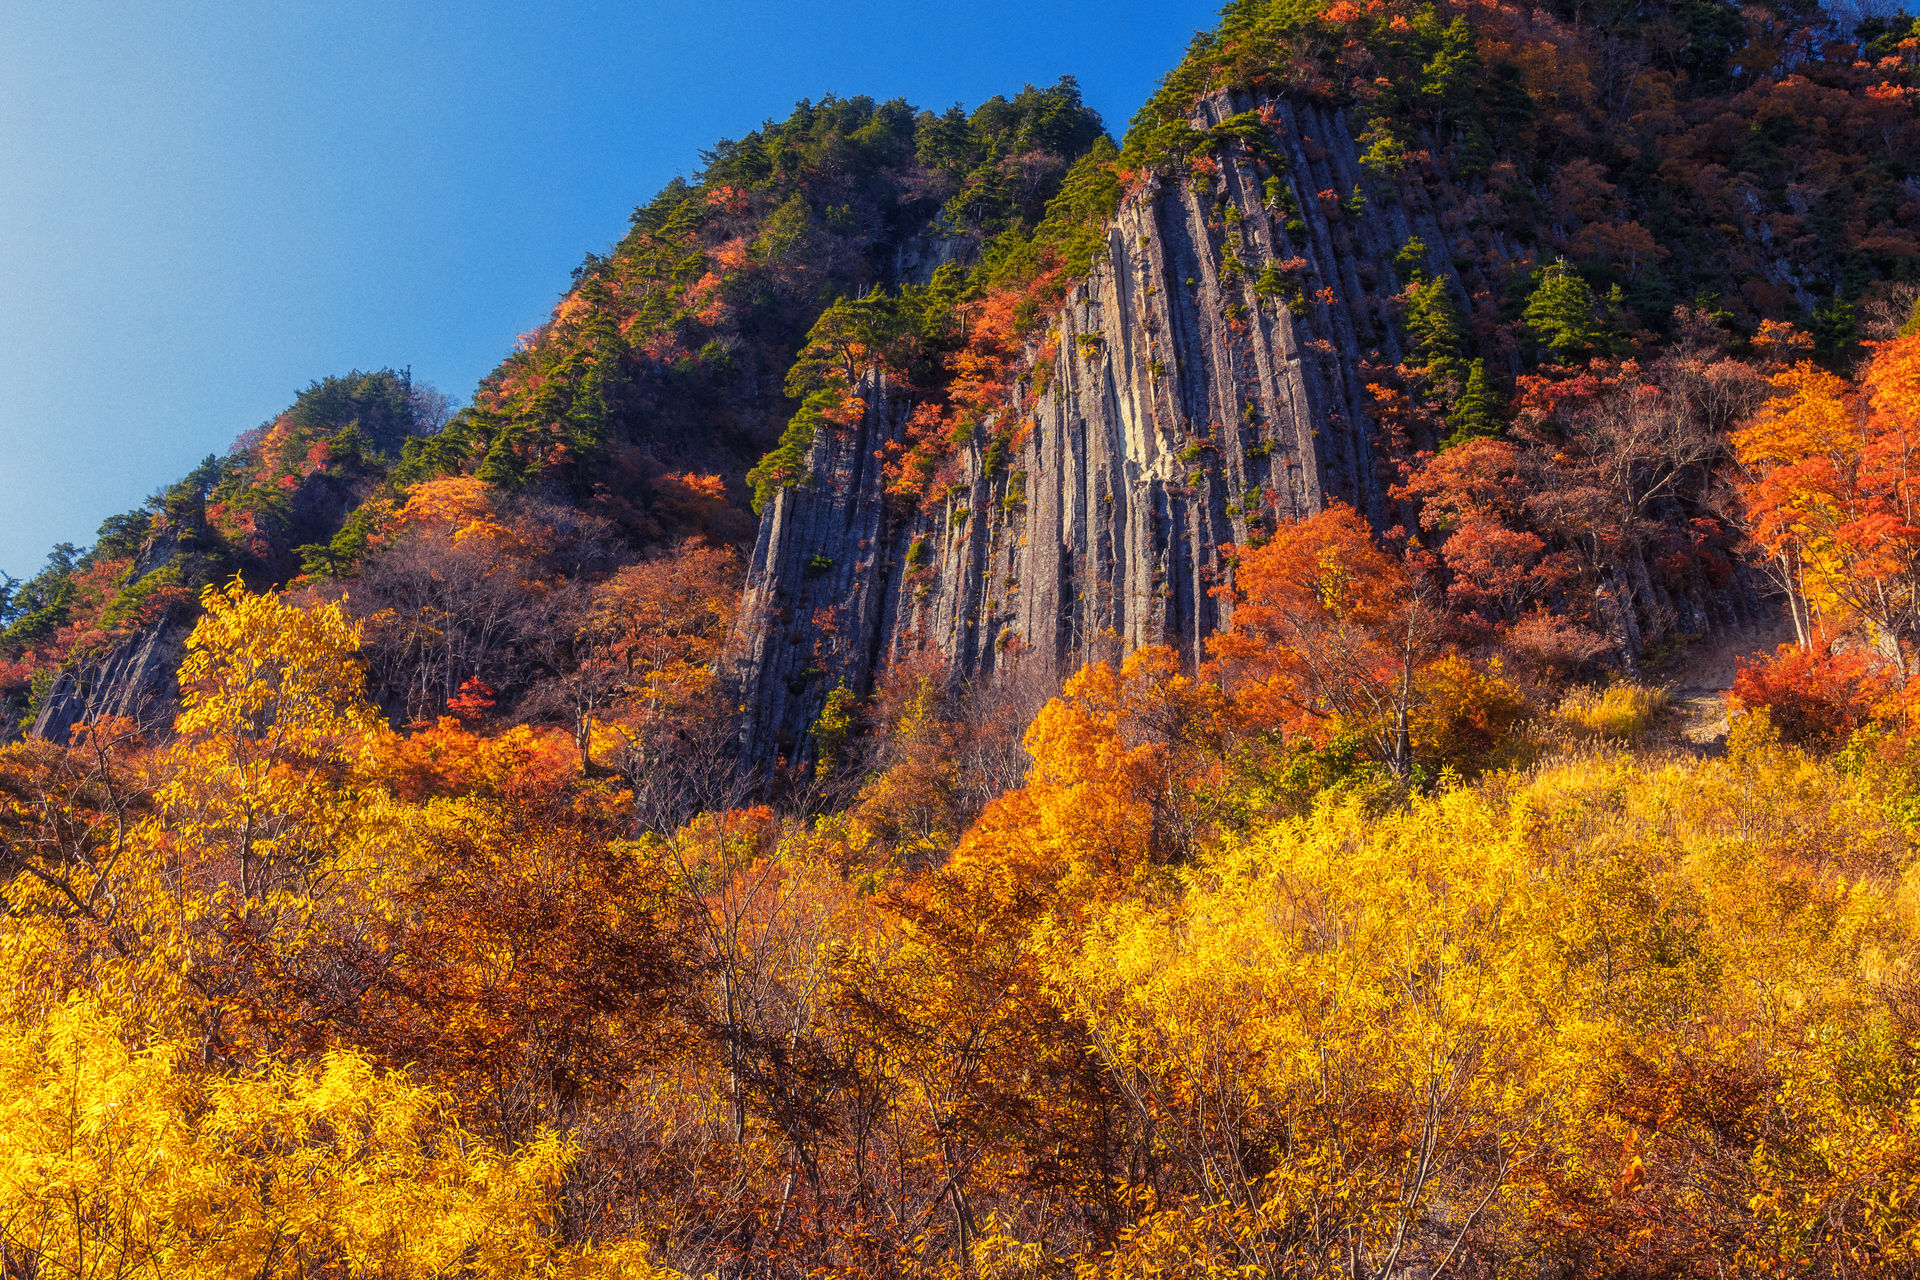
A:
(1619, 713)
(1816, 696)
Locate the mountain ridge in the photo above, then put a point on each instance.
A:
(665, 353)
(987, 703)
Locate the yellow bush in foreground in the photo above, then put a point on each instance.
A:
(1613, 1009)
(118, 1162)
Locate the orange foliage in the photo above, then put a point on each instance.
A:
(1815, 696)
(692, 503)
(1117, 760)
(1834, 498)
(446, 502)
(1329, 631)
(536, 954)
(446, 758)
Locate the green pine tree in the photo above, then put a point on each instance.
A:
(1561, 313)
(1411, 261)
(503, 467)
(1436, 332)
(1835, 327)
(1477, 411)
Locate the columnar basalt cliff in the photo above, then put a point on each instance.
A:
(1505, 284)
(1174, 401)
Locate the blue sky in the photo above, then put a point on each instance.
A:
(205, 205)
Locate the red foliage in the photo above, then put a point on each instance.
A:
(1498, 572)
(473, 700)
(1816, 696)
(1328, 631)
(1550, 648)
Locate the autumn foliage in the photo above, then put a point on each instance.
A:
(1186, 992)
(1393, 931)
(1832, 496)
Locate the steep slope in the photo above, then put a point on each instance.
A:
(1012, 388)
(1348, 236)
(649, 392)
(99, 633)
(1172, 408)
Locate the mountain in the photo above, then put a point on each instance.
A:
(99, 632)
(1330, 248)
(983, 702)
(657, 382)
(1016, 387)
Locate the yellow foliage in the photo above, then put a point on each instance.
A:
(123, 1163)
(1464, 715)
(461, 506)
(1607, 1016)
(1621, 712)
(1352, 1020)
(155, 1117)
(447, 500)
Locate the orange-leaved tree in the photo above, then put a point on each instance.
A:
(990, 1077)
(1331, 631)
(643, 697)
(1833, 497)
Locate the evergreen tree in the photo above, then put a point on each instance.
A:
(1412, 260)
(380, 403)
(1835, 327)
(1436, 332)
(589, 428)
(1477, 411)
(43, 604)
(503, 467)
(1561, 313)
(120, 536)
(187, 501)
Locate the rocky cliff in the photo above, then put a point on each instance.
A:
(134, 677)
(134, 680)
(128, 670)
(1206, 373)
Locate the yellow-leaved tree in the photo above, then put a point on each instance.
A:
(124, 1161)
(171, 954)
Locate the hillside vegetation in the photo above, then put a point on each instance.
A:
(1399, 930)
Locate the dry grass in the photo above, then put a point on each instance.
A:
(1618, 713)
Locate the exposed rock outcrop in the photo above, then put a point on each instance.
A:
(135, 676)
(1180, 398)
(135, 679)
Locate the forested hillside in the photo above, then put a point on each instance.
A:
(623, 425)
(984, 700)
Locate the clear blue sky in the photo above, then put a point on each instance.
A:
(207, 204)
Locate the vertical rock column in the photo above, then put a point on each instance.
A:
(1180, 403)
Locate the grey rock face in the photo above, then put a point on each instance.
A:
(135, 679)
(1178, 400)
